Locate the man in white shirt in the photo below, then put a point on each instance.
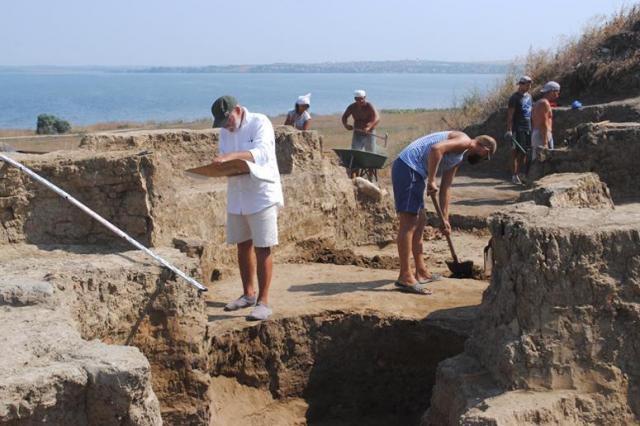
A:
(252, 202)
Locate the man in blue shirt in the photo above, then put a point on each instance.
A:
(519, 126)
(420, 161)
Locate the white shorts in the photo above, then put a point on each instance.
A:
(261, 227)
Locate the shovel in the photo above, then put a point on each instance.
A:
(459, 270)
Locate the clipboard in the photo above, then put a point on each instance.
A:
(228, 168)
(232, 168)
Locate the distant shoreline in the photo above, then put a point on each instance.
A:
(355, 67)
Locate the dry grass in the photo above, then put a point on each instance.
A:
(402, 127)
(117, 125)
(544, 65)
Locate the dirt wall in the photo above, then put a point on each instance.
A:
(114, 185)
(346, 366)
(144, 191)
(565, 119)
(609, 150)
(563, 291)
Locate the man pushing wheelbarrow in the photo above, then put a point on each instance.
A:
(362, 159)
(418, 162)
(365, 119)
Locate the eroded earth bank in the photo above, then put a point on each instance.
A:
(94, 333)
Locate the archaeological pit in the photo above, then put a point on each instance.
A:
(95, 333)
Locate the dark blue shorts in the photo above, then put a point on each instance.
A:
(408, 188)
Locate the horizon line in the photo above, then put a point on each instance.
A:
(484, 61)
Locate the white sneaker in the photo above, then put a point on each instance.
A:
(516, 180)
(240, 303)
(260, 313)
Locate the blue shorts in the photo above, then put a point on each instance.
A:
(408, 188)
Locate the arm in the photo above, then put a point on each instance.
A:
(289, 120)
(238, 155)
(510, 112)
(374, 120)
(225, 155)
(457, 142)
(345, 117)
(264, 141)
(511, 109)
(307, 124)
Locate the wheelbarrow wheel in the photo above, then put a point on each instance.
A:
(370, 174)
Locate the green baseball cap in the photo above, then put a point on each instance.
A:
(221, 108)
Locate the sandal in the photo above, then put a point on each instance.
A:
(434, 278)
(418, 288)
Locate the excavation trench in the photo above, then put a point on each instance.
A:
(348, 349)
(330, 368)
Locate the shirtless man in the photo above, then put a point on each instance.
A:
(542, 119)
(365, 120)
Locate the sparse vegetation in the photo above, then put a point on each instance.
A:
(601, 64)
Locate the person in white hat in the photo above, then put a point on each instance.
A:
(299, 116)
(365, 120)
(542, 119)
(518, 132)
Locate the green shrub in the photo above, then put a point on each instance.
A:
(51, 125)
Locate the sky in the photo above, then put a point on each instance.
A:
(210, 32)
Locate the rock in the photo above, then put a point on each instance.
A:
(22, 291)
(192, 247)
(570, 190)
(4, 147)
(121, 299)
(367, 189)
(49, 374)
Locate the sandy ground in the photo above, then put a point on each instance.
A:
(481, 196)
(300, 289)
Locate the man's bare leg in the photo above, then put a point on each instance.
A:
(406, 230)
(265, 270)
(515, 160)
(247, 265)
(417, 248)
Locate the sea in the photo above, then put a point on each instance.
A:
(87, 97)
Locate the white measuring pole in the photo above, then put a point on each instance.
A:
(103, 221)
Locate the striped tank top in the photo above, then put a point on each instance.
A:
(416, 154)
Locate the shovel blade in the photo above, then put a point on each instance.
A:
(461, 269)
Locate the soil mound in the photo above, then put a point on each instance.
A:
(325, 251)
(546, 347)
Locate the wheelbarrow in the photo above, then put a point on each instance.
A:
(361, 163)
